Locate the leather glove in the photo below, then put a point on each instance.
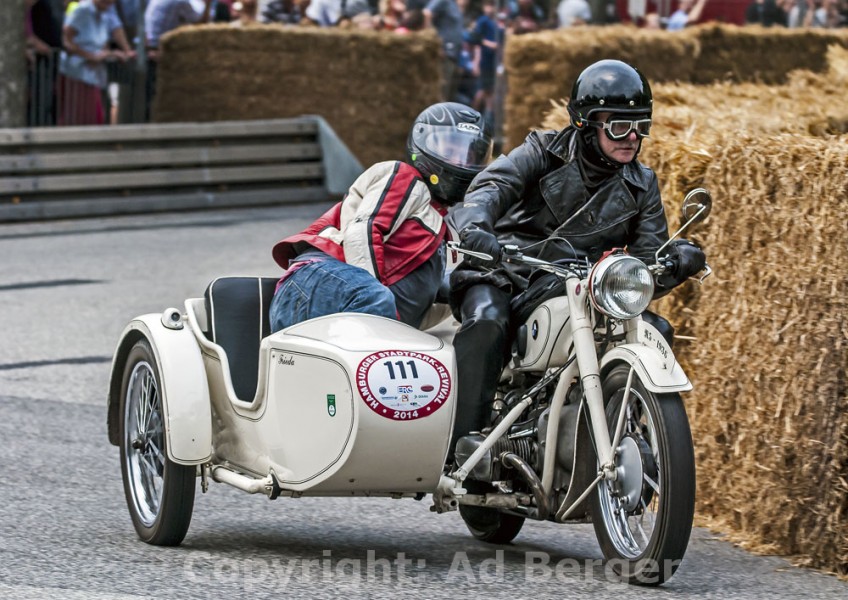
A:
(686, 260)
(480, 240)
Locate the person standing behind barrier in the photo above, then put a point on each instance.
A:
(44, 37)
(82, 72)
(486, 34)
(765, 13)
(120, 22)
(160, 17)
(391, 14)
(328, 13)
(285, 12)
(248, 13)
(163, 16)
(573, 12)
(525, 16)
(446, 17)
(688, 14)
(809, 13)
(127, 13)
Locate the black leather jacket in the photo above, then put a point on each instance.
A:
(537, 192)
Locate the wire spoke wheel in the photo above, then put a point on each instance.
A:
(644, 517)
(159, 492)
(143, 438)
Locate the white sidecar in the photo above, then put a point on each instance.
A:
(348, 404)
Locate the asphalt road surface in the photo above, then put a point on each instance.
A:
(66, 291)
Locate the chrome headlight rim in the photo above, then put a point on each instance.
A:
(600, 294)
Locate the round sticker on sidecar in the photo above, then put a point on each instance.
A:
(402, 385)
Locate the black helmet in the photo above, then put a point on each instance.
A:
(609, 86)
(449, 144)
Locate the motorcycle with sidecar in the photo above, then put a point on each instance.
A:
(587, 424)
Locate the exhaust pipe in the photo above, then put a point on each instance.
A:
(512, 460)
(266, 485)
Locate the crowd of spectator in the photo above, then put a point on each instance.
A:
(768, 13)
(74, 46)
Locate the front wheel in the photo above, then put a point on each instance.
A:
(643, 519)
(159, 492)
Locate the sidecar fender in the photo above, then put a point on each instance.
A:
(185, 391)
(658, 373)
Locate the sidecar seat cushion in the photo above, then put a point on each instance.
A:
(238, 315)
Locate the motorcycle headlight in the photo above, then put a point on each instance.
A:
(620, 286)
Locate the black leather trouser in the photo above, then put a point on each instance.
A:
(481, 346)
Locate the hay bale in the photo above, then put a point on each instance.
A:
(770, 406)
(369, 86)
(765, 55)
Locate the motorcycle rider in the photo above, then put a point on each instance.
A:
(574, 193)
(381, 249)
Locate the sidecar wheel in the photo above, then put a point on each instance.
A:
(487, 524)
(159, 493)
(643, 520)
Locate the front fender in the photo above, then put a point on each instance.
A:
(185, 391)
(658, 374)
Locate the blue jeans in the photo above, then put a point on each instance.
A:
(329, 286)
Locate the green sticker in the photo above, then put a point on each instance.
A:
(331, 404)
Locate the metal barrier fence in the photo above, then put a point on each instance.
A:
(54, 99)
(41, 97)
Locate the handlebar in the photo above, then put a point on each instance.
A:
(510, 253)
(664, 264)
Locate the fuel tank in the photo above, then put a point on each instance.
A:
(544, 339)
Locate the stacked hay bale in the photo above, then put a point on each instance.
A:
(769, 410)
(369, 87)
(765, 55)
(543, 66)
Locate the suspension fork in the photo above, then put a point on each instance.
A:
(590, 377)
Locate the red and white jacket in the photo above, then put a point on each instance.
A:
(387, 224)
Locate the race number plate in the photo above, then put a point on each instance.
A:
(403, 385)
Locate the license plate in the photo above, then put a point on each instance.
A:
(650, 337)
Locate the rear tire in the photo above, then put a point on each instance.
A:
(488, 524)
(159, 492)
(643, 521)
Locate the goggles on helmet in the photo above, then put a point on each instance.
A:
(618, 129)
(465, 145)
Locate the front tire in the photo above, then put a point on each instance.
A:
(644, 519)
(159, 492)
